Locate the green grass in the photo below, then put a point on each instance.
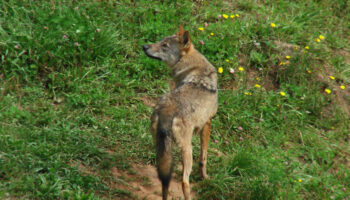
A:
(73, 79)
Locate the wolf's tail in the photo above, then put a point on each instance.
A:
(164, 155)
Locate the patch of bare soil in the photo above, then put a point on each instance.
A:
(286, 48)
(145, 185)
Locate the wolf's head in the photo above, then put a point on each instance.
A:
(170, 49)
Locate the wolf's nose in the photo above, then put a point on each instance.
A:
(145, 47)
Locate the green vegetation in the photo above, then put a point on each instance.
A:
(75, 89)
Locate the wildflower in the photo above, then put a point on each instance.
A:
(232, 71)
(76, 44)
(321, 37)
(257, 86)
(331, 77)
(261, 120)
(201, 41)
(273, 25)
(201, 28)
(299, 180)
(257, 78)
(344, 189)
(237, 15)
(296, 47)
(206, 24)
(246, 93)
(46, 28)
(287, 57)
(307, 47)
(16, 46)
(240, 128)
(226, 142)
(332, 127)
(220, 70)
(342, 87)
(211, 34)
(282, 94)
(318, 40)
(224, 16)
(219, 16)
(309, 71)
(227, 60)
(328, 91)
(77, 31)
(232, 16)
(241, 69)
(216, 141)
(98, 30)
(76, 8)
(64, 37)
(282, 63)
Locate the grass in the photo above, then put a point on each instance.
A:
(73, 82)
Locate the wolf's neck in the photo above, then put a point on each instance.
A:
(195, 69)
(181, 73)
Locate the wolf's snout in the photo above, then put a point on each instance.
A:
(145, 47)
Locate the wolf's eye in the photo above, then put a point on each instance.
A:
(165, 45)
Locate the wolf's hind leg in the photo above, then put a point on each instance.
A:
(183, 132)
(154, 124)
(205, 136)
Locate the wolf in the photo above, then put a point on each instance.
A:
(186, 109)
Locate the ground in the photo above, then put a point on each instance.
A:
(77, 91)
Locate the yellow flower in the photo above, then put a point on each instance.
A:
(237, 15)
(220, 70)
(331, 77)
(211, 34)
(342, 87)
(307, 47)
(328, 91)
(248, 93)
(332, 127)
(241, 69)
(282, 63)
(273, 25)
(282, 94)
(232, 16)
(257, 78)
(299, 180)
(201, 28)
(318, 40)
(227, 60)
(224, 16)
(296, 47)
(321, 37)
(309, 71)
(287, 57)
(257, 86)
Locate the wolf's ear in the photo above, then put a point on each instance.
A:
(186, 42)
(186, 39)
(181, 30)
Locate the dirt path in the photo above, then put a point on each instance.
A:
(150, 187)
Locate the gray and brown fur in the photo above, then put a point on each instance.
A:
(190, 105)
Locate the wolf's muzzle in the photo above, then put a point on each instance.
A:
(145, 47)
